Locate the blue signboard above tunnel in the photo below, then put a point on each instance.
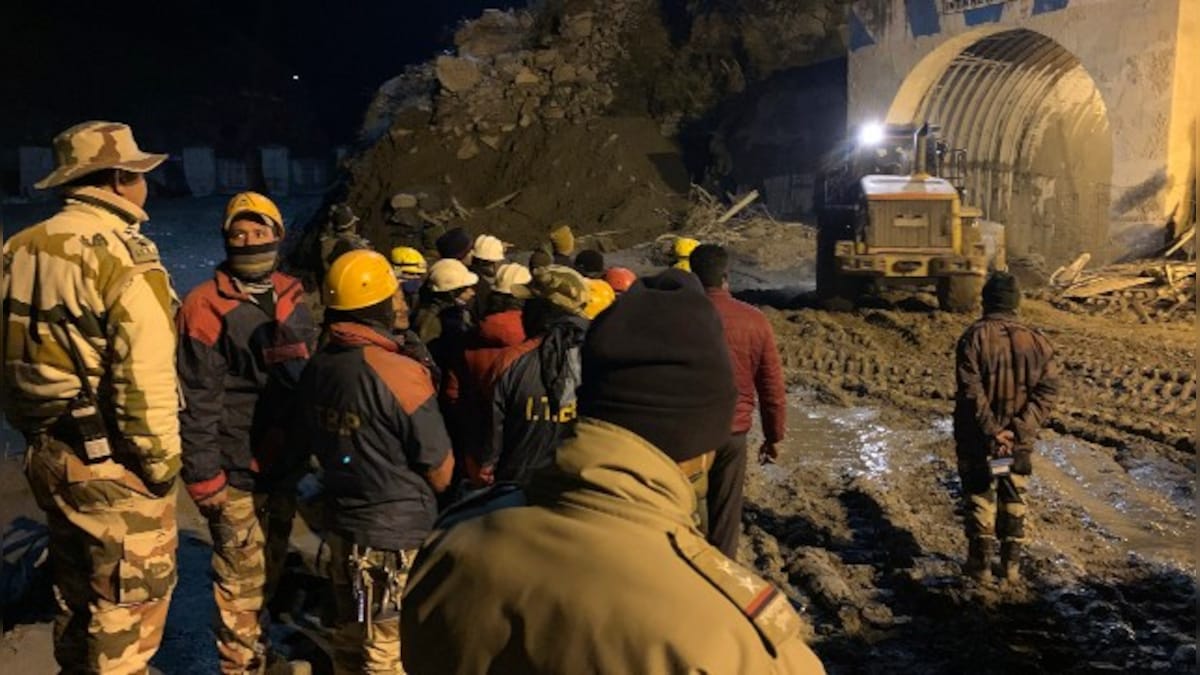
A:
(985, 14)
(1043, 6)
(923, 17)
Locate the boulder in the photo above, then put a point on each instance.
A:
(526, 78)
(457, 74)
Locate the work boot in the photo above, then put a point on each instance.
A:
(979, 559)
(1010, 561)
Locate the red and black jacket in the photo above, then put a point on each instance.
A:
(239, 360)
(370, 416)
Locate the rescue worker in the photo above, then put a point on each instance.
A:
(410, 343)
(590, 263)
(596, 566)
(758, 376)
(486, 257)
(681, 252)
(442, 322)
(562, 245)
(455, 244)
(539, 259)
(89, 380)
(600, 296)
(531, 386)
(370, 417)
(341, 234)
(465, 391)
(1007, 381)
(411, 269)
(244, 337)
(620, 279)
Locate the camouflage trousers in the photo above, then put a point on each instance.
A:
(371, 646)
(112, 556)
(250, 541)
(995, 506)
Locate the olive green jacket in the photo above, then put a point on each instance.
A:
(88, 275)
(601, 572)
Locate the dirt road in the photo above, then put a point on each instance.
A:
(860, 518)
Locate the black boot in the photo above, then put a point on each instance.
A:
(1010, 560)
(979, 558)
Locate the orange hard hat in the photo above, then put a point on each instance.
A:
(620, 278)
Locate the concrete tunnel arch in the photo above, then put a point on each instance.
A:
(1036, 131)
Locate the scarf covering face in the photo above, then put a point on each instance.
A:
(252, 263)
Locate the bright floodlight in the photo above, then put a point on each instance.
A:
(871, 134)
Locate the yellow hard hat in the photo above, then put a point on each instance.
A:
(358, 279)
(409, 261)
(684, 247)
(253, 202)
(600, 296)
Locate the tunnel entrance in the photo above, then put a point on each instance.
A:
(1037, 136)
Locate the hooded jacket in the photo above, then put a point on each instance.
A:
(602, 571)
(526, 420)
(239, 362)
(370, 416)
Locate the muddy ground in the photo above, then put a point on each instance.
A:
(859, 521)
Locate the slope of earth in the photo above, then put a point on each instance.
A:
(861, 521)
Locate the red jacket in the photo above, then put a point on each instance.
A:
(756, 367)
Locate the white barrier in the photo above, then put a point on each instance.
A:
(200, 170)
(309, 176)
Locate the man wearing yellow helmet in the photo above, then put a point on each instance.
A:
(411, 269)
(682, 252)
(244, 337)
(370, 416)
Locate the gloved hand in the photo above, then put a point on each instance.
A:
(768, 453)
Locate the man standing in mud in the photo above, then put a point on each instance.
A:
(89, 379)
(1006, 383)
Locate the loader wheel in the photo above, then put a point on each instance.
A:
(841, 293)
(959, 294)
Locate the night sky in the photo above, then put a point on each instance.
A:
(217, 71)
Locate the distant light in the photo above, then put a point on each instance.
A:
(871, 134)
(295, 78)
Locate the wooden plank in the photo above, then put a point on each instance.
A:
(1103, 285)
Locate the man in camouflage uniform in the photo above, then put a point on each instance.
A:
(87, 309)
(1007, 381)
(341, 235)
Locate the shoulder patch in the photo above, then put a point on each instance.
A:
(482, 502)
(760, 602)
(141, 249)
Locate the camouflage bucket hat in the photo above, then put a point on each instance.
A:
(562, 287)
(93, 146)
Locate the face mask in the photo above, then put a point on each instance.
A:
(252, 263)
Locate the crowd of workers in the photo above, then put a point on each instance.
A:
(525, 468)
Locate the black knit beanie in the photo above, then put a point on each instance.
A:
(1001, 293)
(656, 363)
(455, 243)
(590, 263)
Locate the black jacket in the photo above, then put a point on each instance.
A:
(370, 416)
(238, 363)
(533, 403)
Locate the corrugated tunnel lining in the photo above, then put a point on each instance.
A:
(991, 99)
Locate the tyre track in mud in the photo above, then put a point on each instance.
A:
(872, 556)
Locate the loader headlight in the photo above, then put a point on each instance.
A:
(870, 134)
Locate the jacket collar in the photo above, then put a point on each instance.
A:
(109, 202)
(228, 287)
(715, 293)
(604, 464)
(350, 334)
(502, 329)
(1008, 316)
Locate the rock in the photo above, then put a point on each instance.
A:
(553, 112)
(547, 58)
(526, 78)
(492, 142)
(508, 128)
(496, 32)
(403, 200)
(526, 120)
(564, 74)
(578, 26)
(586, 74)
(457, 74)
(468, 149)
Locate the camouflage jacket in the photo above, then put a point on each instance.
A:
(87, 275)
(1007, 379)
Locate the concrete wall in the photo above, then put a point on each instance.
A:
(1132, 51)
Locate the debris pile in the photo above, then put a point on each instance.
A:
(1151, 290)
(746, 226)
